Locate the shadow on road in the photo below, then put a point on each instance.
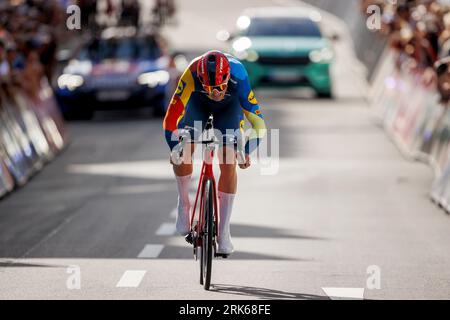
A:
(247, 231)
(179, 252)
(263, 293)
(12, 264)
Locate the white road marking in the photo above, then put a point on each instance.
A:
(344, 293)
(131, 279)
(174, 213)
(151, 251)
(166, 229)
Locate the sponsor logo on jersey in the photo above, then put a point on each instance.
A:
(181, 87)
(258, 112)
(251, 98)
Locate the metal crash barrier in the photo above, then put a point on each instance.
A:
(412, 115)
(32, 133)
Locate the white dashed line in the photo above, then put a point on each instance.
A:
(166, 229)
(131, 279)
(151, 251)
(344, 293)
(174, 213)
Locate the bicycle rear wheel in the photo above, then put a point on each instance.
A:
(206, 253)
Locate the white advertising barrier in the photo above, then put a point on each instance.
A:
(15, 157)
(33, 128)
(50, 117)
(6, 180)
(32, 132)
(415, 120)
(18, 131)
(440, 192)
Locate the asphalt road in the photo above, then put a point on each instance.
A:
(342, 199)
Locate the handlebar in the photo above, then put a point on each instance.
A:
(177, 153)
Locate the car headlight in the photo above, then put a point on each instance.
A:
(70, 81)
(243, 22)
(323, 55)
(153, 79)
(251, 56)
(242, 44)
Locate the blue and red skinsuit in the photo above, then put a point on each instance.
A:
(190, 104)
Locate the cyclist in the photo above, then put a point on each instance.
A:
(214, 83)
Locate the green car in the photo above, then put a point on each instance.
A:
(284, 47)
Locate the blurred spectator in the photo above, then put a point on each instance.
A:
(88, 9)
(108, 13)
(443, 82)
(419, 32)
(130, 13)
(162, 11)
(4, 66)
(33, 71)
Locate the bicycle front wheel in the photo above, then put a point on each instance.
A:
(207, 235)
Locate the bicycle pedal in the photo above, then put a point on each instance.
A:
(221, 255)
(189, 238)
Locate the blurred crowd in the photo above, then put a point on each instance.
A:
(419, 32)
(30, 31)
(28, 43)
(137, 13)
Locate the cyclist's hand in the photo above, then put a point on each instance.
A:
(175, 157)
(247, 163)
(170, 159)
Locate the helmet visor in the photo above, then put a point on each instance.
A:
(221, 87)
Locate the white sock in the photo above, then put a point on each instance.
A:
(184, 205)
(183, 184)
(225, 208)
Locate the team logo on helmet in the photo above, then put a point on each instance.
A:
(221, 65)
(252, 98)
(202, 67)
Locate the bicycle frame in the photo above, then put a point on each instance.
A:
(206, 173)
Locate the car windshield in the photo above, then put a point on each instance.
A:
(123, 49)
(283, 27)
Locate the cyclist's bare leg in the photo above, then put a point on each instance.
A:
(228, 174)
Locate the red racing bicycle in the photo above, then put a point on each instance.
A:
(204, 225)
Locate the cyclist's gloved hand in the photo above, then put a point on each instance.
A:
(245, 163)
(176, 155)
(178, 151)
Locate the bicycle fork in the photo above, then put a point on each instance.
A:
(206, 173)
